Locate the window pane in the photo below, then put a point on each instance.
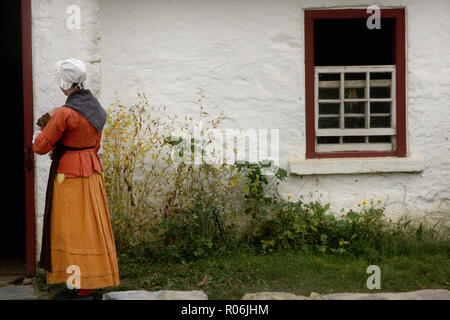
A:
(329, 123)
(380, 76)
(354, 123)
(329, 84)
(327, 140)
(355, 93)
(355, 76)
(354, 139)
(380, 107)
(329, 108)
(376, 139)
(380, 84)
(329, 76)
(328, 93)
(380, 92)
(355, 85)
(355, 107)
(380, 122)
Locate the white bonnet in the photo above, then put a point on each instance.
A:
(70, 71)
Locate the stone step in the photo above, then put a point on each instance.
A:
(20, 292)
(428, 294)
(155, 295)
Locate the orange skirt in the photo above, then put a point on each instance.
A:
(81, 233)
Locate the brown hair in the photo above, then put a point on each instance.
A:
(78, 85)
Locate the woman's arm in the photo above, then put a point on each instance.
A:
(53, 131)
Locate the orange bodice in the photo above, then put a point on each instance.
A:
(73, 130)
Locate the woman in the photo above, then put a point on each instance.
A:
(77, 229)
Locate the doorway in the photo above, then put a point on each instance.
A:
(17, 235)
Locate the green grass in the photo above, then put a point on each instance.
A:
(246, 271)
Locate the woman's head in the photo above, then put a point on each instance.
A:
(70, 75)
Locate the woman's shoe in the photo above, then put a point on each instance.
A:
(85, 297)
(84, 294)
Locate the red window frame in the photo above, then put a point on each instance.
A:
(399, 61)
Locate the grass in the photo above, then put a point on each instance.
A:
(246, 271)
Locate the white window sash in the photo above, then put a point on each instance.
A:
(367, 84)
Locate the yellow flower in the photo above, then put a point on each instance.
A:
(364, 201)
(289, 196)
(233, 182)
(379, 201)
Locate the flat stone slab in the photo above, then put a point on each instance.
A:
(428, 294)
(7, 280)
(155, 295)
(273, 296)
(18, 293)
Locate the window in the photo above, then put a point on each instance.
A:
(355, 84)
(355, 109)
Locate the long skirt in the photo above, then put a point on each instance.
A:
(81, 239)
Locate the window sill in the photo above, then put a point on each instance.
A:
(414, 163)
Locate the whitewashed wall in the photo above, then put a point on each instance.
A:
(248, 57)
(53, 41)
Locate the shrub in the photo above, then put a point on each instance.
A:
(166, 205)
(160, 199)
(200, 212)
(134, 157)
(296, 225)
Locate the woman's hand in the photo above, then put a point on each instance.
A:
(36, 134)
(52, 112)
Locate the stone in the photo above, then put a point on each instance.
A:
(27, 281)
(316, 296)
(155, 295)
(7, 280)
(18, 293)
(273, 296)
(413, 163)
(427, 294)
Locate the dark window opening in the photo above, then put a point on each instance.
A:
(349, 42)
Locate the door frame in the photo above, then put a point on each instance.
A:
(28, 118)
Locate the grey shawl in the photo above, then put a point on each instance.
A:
(88, 106)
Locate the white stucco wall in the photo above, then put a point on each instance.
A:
(248, 57)
(53, 41)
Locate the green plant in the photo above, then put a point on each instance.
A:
(134, 157)
(169, 201)
(298, 225)
(203, 198)
(259, 190)
(165, 196)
